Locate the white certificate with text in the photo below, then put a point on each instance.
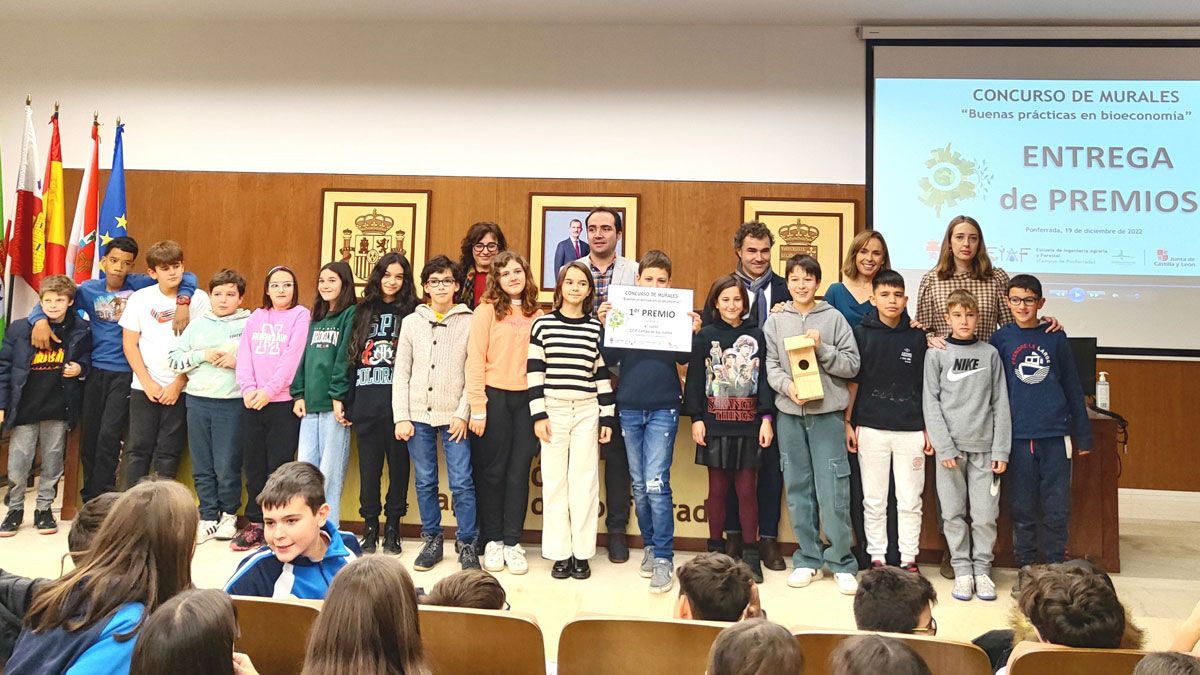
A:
(649, 318)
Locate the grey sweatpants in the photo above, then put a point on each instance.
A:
(969, 486)
(21, 448)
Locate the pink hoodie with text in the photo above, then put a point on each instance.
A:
(272, 344)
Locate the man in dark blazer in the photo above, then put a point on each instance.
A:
(572, 248)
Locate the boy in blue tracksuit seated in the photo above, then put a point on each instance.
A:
(304, 549)
(1049, 424)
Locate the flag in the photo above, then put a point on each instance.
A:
(50, 240)
(112, 214)
(81, 249)
(27, 214)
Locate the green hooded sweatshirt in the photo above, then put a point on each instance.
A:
(326, 350)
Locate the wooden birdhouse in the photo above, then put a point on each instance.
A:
(802, 356)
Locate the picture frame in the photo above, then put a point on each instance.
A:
(821, 228)
(550, 217)
(360, 226)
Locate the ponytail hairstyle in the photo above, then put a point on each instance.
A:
(373, 305)
(142, 553)
(345, 298)
(716, 587)
(191, 634)
(368, 623)
(266, 299)
(494, 294)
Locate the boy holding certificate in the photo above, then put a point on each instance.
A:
(648, 400)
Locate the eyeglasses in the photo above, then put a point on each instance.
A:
(489, 247)
(440, 283)
(280, 286)
(931, 630)
(1028, 302)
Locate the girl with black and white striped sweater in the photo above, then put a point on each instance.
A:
(572, 405)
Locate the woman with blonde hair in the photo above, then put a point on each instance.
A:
(368, 624)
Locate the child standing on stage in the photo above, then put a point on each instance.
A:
(272, 345)
(884, 423)
(1049, 420)
(325, 440)
(571, 403)
(812, 433)
(503, 444)
(648, 408)
(207, 353)
(157, 415)
(429, 400)
(727, 397)
(362, 396)
(966, 412)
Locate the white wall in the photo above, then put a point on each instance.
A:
(652, 102)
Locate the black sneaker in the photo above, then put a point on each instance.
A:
(562, 568)
(467, 558)
(618, 549)
(391, 537)
(431, 552)
(250, 538)
(581, 569)
(370, 538)
(44, 521)
(734, 545)
(12, 522)
(716, 546)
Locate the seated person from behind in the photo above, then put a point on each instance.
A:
(891, 600)
(755, 646)
(715, 587)
(304, 549)
(473, 589)
(1070, 607)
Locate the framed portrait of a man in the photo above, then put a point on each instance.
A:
(559, 233)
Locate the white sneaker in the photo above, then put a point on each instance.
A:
(493, 556)
(205, 531)
(846, 582)
(964, 587)
(514, 559)
(803, 576)
(985, 588)
(227, 527)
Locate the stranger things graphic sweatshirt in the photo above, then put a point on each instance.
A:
(966, 403)
(1044, 392)
(726, 385)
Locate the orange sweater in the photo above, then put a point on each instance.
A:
(496, 353)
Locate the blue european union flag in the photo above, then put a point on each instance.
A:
(112, 212)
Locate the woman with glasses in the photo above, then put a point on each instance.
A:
(361, 390)
(272, 344)
(483, 242)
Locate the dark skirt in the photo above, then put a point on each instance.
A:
(730, 452)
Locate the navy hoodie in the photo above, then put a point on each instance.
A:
(1043, 385)
(890, 377)
(649, 378)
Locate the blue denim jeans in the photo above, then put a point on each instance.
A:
(650, 445)
(212, 426)
(326, 445)
(422, 450)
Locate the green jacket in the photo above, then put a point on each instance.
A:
(326, 349)
(209, 332)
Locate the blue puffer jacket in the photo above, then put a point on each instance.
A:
(16, 357)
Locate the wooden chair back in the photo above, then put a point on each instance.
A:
(593, 645)
(467, 641)
(274, 632)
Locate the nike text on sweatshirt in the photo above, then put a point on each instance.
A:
(966, 403)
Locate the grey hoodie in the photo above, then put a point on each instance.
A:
(837, 356)
(431, 355)
(966, 400)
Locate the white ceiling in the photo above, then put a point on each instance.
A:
(798, 12)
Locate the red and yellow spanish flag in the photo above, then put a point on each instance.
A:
(50, 243)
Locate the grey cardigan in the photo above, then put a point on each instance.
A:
(429, 385)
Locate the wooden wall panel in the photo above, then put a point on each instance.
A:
(252, 221)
